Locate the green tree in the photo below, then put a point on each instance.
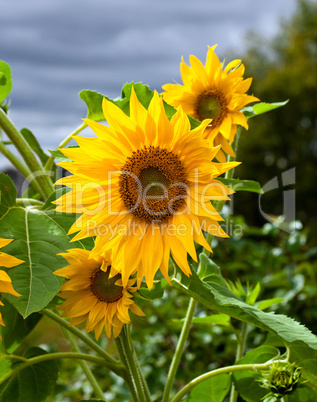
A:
(284, 68)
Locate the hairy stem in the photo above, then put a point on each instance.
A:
(224, 370)
(113, 364)
(37, 171)
(241, 339)
(53, 356)
(179, 349)
(127, 353)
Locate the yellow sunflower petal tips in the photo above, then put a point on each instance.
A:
(144, 189)
(91, 294)
(209, 92)
(7, 261)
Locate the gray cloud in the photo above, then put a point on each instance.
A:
(57, 48)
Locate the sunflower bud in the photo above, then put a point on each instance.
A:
(281, 379)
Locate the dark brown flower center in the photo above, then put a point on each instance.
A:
(104, 288)
(153, 184)
(211, 104)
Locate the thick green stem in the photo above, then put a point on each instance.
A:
(53, 356)
(241, 340)
(127, 354)
(26, 152)
(224, 370)
(124, 361)
(113, 364)
(179, 349)
(50, 161)
(19, 165)
(89, 375)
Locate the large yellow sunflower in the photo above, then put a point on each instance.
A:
(209, 92)
(95, 296)
(144, 188)
(7, 261)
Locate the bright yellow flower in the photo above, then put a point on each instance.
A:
(95, 296)
(7, 261)
(144, 187)
(209, 92)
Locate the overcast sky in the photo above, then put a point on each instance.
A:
(57, 48)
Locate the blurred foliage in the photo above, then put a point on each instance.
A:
(284, 68)
(262, 263)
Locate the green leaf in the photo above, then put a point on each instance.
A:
(34, 144)
(264, 304)
(218, 297)
(38, 240)
(60, 156)
(33, 383)
(212, 390)
(156, 292)
(143, 93)
(209, 272)
(260, 108)
(242, 185)
(245, 381)
(93, 101)
(16, 328)
(5, 80)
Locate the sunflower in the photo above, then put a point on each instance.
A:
(95, 293)
(144, 188)
(7, 261)
(209, 92)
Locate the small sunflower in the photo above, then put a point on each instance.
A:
(7, 261)
(209, 92)
(144, 188)
(95, 293)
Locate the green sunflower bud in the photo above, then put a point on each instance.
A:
(281, 379)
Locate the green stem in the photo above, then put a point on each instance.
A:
(89, 375)
(128, 352)
(19, 165)
(50, 161)
(124, 360)
(14, 357)
(241, 339)
(53, 356)
(179, 349)
(29, 201)
(26, 152)
(224, 370)
(113, 364)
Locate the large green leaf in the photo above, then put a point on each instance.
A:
(38, 240)
(215, 295)
(16, 328)
(213, 390)
(260, 108)
(33, 383)
(5, 80)
(242, 185)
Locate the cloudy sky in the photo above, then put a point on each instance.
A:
(57, 48)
